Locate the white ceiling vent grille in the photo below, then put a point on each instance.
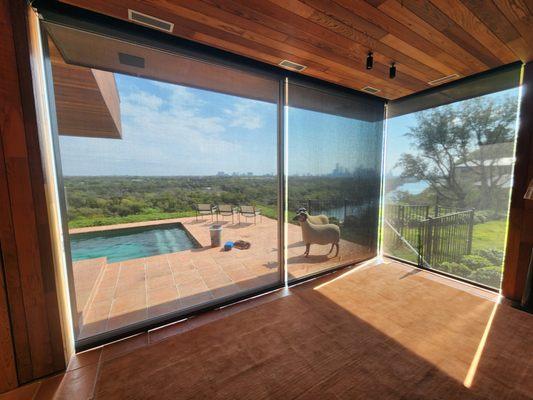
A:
(370, 89)
(444, 79)
(292, 65)
(148, 20)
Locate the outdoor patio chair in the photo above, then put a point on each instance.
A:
(205, 209)
(226, 210)
(249, 212)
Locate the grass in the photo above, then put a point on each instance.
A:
(267, 211)
(490, 235)
(100, 221)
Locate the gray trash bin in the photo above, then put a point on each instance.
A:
(216, 235)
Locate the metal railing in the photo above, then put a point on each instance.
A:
(445, 238)
(435, 234)
(338, 209)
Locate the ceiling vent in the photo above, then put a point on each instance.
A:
(148, 20)
(370, 89)
(292, 66)
(444, 79)
(132, 61)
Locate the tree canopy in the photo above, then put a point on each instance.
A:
(463, 147)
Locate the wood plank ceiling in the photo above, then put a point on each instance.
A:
(427, 39)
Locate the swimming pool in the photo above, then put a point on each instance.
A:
(131, 243)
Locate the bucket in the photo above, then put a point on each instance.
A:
(216, 235)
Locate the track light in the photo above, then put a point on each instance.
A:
(369, 60)
(392, 71)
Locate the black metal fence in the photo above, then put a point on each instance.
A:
(435, 234)
(445, 238)
(338, 209)
(403, 222)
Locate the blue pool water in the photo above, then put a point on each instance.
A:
(127, 244)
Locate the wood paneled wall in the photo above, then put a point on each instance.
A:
(8, 370)
(24, 230)
(520, 236)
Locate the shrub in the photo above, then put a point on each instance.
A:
(490, 276)
(446, 266)
(455, 269)
(493, 255)
(474, 262)
(483, 216)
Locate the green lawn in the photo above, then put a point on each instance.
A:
(267, 211)
(101, 221)
(490, 235)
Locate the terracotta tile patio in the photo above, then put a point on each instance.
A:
(113, 295)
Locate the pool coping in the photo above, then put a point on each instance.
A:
(113, 227)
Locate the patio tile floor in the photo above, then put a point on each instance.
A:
(133, 290)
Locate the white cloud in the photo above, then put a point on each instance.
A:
(243, 115)
(171, 130)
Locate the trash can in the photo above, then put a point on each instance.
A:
(216, 235)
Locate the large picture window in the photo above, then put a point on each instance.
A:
(448, 180)
(333, 185)
(170, 180)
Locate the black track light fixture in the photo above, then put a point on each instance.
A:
(392, 71)
(369, 60)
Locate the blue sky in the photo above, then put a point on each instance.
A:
(397, 141)
(174, 130)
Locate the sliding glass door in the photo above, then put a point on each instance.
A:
(334, 146)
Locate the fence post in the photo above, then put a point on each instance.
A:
(401, 218)
(345, 209)
(470, 231)
(429, 241)
(419, 239)
(309, 206)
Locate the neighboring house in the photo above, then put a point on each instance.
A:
(495, 161)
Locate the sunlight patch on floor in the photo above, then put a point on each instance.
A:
(479, 352)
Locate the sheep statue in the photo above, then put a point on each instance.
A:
(314, 219)
(318, 234)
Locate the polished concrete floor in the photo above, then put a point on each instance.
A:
(381, 330)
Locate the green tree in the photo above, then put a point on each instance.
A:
(463, 146)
